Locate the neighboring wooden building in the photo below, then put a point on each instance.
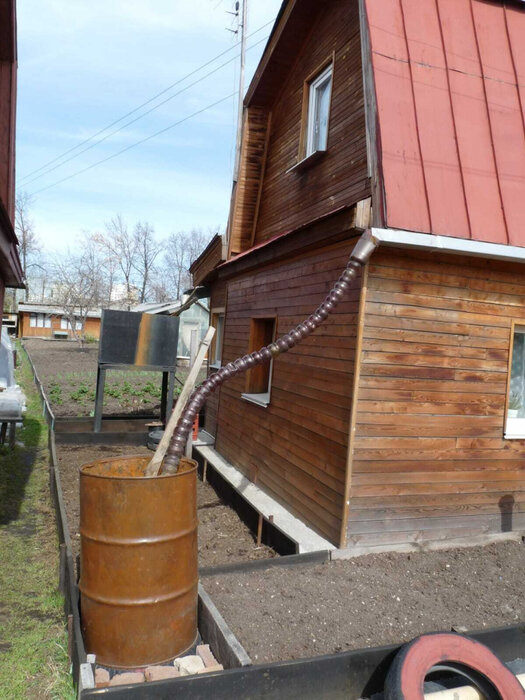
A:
(402, 418)
(10, 267)
(46, 321)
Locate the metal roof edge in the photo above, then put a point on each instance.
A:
(448, 244)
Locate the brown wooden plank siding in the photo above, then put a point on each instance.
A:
(246, 201)
(25, 331)
(296, 448)
(208, 260)
(217, 300)
(7, 145)
(291, 199)
(429, 459)
(7, 104)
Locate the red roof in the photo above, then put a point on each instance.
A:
(450, 89)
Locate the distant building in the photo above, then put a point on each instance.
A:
(48, 321)
(196, 317)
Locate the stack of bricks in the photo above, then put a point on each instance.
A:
(203, 662)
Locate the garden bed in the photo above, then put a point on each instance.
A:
(295, 612)
(223, 537)
(69, 377)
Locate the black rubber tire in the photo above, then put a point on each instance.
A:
(406, 677)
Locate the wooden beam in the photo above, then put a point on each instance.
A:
(353, 413)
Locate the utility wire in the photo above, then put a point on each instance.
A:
(133, 145)
(140, 116)
(144, 104)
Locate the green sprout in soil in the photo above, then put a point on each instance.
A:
(55, 393)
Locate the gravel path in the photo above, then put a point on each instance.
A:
(294, 612)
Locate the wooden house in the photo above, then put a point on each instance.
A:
(51, 321)
(402, 418)
(10, 267)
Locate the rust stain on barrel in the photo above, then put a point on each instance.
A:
(139, 570)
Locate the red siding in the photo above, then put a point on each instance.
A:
(449, 77)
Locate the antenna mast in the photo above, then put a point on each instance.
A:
(243, 23)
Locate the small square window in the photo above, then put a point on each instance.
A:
(515, 418)
(259, 378)
(319, 94)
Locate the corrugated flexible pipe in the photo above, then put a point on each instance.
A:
(358, 258)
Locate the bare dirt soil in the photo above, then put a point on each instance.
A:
(69, 377)
(300, 611)
(223, 537)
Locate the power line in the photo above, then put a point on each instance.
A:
(133, 145)
(144, 104)
(141, 116)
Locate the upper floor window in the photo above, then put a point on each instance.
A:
(319, 93)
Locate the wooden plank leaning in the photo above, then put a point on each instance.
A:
(153, 468)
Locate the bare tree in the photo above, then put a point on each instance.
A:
(120, 246)
(29, 244)
(181, 249)
(147, 251)
(79, 286)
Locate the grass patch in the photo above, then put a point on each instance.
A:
(33, 642)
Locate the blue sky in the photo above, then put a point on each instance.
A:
(83, 64)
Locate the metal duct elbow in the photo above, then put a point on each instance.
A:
(359, 256)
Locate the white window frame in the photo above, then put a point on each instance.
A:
(32, 320)
(218, 319)
(514, 426)
(312, 145)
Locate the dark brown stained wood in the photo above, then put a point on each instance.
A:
(7, 134)
(204, 266)
(340, 177)
(372, 125)
(247, 193)
(293, 26)
(429, 459)
(7, 104)
(296, 448)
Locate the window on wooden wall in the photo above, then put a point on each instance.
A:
(319, 94)
(259, 379)
(217, 321)
(39, 321)
(515, 417)
(317, 97)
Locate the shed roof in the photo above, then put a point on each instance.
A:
(53, 310)
(449, 81)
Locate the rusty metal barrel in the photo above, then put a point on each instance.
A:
(138, 570)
